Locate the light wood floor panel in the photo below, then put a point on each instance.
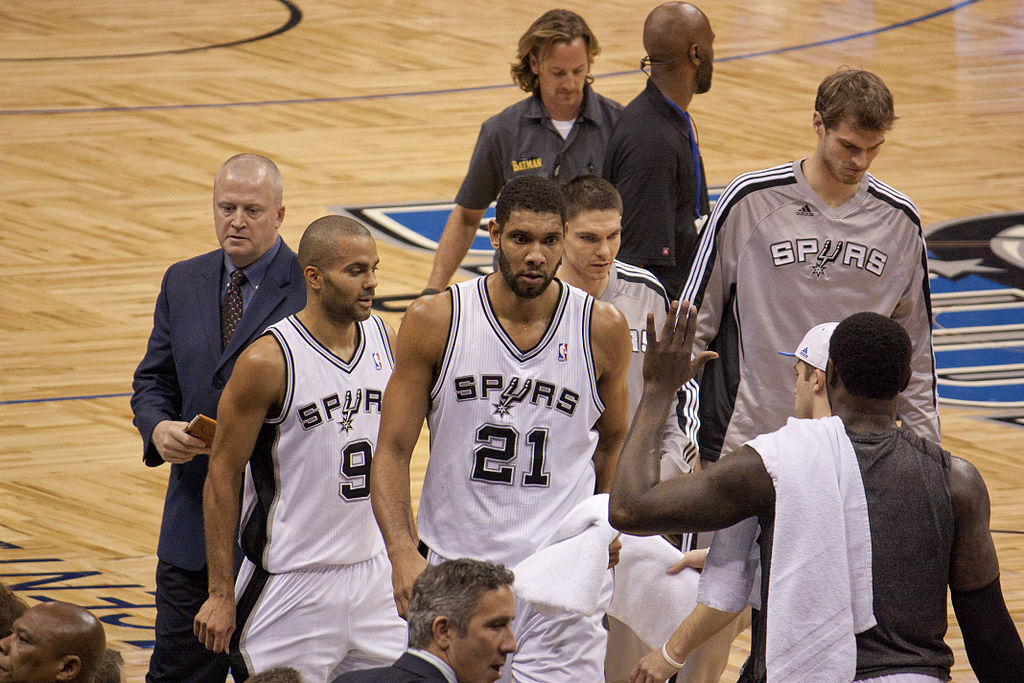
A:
(108, 165)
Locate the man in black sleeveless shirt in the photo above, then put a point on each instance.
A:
(928, 511)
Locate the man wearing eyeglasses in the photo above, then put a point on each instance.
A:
(559, 132)
(652, 158)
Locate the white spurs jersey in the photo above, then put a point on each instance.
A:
(511, 432)
(307, 486)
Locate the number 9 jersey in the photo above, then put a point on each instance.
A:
(307, 486)
(511, 431)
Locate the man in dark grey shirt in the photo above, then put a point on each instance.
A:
(559, 132)
(928, 511)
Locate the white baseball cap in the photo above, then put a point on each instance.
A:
(813, 348)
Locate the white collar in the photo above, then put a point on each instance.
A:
(442, 666)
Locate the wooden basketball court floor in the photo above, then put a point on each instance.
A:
(114, 116)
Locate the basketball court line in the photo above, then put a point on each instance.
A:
(451, 91)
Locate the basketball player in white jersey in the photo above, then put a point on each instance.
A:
(523, 381)
(299, 417)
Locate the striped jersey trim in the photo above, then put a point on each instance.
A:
(345, 366)
(629, 273)
(289, 373)
(588, 352)
(449, 347)
(385, 342)
(506, 341)
(700, 271)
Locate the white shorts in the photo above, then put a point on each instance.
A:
(566, 647)
(322, 622)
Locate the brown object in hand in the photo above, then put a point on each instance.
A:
(202, 427)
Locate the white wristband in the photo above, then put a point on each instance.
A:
(664, 653)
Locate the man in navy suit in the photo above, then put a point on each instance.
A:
(460, 616)
(209, 308)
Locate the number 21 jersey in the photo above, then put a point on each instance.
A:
(511, 432)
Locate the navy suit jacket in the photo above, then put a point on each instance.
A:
(184, 372)
(408, 669)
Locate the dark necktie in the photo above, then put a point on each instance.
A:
(231, 307)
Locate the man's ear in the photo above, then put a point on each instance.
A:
(819, 380)
(312, 276)
(442, 631)
(818, 124)
(494, 232)
(695, 55)
(68, 667)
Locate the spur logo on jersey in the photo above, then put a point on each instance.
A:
(826, 256)
(820, 255)
(343, 411)
(507, 393)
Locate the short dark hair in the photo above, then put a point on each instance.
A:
(279, 674)
(451, 589)
(11, 607)
(529, 193)
(554, 26)
(110, 667)
(871, 353)
(317, 248)
(590, 193)
(858, 96)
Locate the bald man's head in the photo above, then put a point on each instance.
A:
(258, 167)
(53, 641)
(318, 246)
(679, 42)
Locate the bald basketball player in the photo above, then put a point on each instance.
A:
(299, 419)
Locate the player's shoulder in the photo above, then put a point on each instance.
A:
(263, 356)
(890, 196)
(967, 490)
(637, 280)
(426, 324)
(764, 179)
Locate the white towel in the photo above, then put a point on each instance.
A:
(571, 565)
(646, 598)
(819, 587)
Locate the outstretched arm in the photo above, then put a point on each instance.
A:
(257, 385)
(418, 350)
(732, 490)
(990, 637)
